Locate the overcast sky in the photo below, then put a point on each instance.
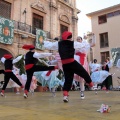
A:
(88, 6)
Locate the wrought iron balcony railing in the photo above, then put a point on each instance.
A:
(27, 28)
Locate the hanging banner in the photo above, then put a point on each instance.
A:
(115, 52)
(6, 31)
(40, 37)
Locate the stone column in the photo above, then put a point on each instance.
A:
(75, 28)
(53, 18)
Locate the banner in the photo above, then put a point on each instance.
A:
(6, 31)
(115, 52)
(40, 37)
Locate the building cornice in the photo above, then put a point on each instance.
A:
(102, 10)
(65, 3)
(20, 32)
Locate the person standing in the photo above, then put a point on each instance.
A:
(83, 61)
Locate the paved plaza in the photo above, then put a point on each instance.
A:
(42, 106)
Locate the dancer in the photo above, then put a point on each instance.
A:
(31, 67)
(98, 76)
(106, 66)
(95, 66)
(49, 78)
(83, 61)
(8, 63)
(70, 66)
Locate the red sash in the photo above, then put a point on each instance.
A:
(29, 66)
(66, 61)
(82, 57)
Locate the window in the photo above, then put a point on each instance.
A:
(104, 40)
(102, 19)
(5, 9)
(63, 28)
(104, 55)
(37, 22)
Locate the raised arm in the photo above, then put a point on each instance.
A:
(51, 45)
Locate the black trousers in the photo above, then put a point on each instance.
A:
(30, 72)
(2, 71)
(7, 76)
(107, 82)
(74, 68)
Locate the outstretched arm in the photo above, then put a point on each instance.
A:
(41, 55)
(51, 45)
(17, 59)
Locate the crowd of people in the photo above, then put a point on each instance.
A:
(71, 59)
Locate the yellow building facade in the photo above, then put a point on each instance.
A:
(106, 26)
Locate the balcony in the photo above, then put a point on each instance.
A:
(27, 28)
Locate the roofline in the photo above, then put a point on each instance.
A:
(98, 11)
